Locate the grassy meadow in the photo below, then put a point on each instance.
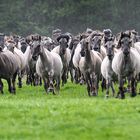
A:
(72, 115)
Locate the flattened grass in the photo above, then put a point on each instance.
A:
(31, 114)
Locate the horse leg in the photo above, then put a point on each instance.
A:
(58, 79)
(27, 80)
(103, 84)
(108, 86)
(63, 79)
(10, 88)
(121, 89)
(71, 74)
(37, 79)
(51, 83)
(34, 78)
(133, 87)
(19, 80)
(45, 84)
(112, 87)
(27, 76)
(88, 82)
(40, 81)
(67, 75)
(14, 82)
(97, 83)
(1, 86)
(129, 85)
(94, 84)
(81, 79)
(88, 88)
(76, 76)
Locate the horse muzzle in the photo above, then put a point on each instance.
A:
(110, 57)
(35, 57)
(82, 53)
(126, 52)
(97, 49)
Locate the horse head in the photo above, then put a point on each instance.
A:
(84, 47)
(96, 42)
(36, 49)
(63, 42)
(109, 45)
(125, 42)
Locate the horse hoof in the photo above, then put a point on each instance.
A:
(20, 86)
(107, 96)
(122, 97)
(50, 90)
(81, 82)
(89, 94)
(28, 82)
(117, 96)
(94, 94)
(13, 92)
(76, 81)
(133, 94)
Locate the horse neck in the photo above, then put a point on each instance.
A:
(127, 59)
(44, 55)
(126, 62)
(110, 63)
(27, 53)
(88, 55)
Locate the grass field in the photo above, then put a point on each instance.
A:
(72, 115)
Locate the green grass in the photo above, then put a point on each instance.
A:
(72, 115)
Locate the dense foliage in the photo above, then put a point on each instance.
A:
(42, 16)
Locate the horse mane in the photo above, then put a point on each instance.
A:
(63, 36)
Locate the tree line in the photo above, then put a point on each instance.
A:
(42, 16)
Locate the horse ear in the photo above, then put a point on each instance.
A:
(81, 37)
(113, 38)
(32, 37)
(105, 46)
(119, 39)
(67, 38)
(58, 38)
(63, 36)
(27, 40)
(102, 35)
(121, 34)
(39, 38)
(130, 41)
